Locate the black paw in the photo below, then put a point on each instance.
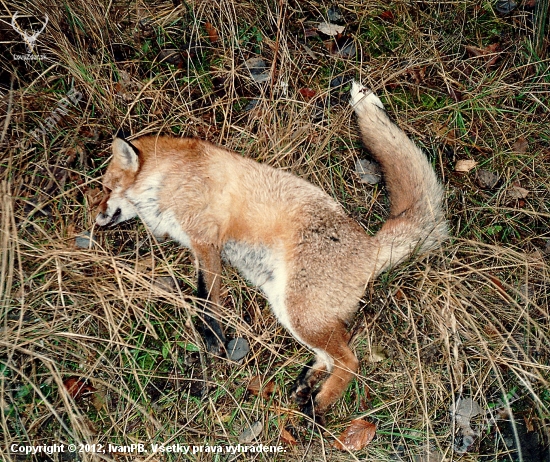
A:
(214, 346)
(316, 418)
(301, 395)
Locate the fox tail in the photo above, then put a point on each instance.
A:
(417, 220)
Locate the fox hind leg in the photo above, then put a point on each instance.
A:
(333, 356)
(311, 374)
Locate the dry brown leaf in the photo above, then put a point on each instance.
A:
(489, 53)
(76, 387)
(517, 192)
(465, 165)
(491, 331)
(256, 388)
(417, 73)
(529, 424)
(212, 32)
(99, 400)
(307, 93)
(521, 145)
(399, 295)
(378, 354)
(287, 437)
(387, 15)
(499, 285)
(358, 435)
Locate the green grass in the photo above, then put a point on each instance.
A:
(469, 321)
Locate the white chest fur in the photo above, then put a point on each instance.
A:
(146, 202)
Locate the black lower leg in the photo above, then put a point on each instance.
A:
(308, 408)
(209, 328)
(301, 390)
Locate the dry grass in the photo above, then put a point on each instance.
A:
(469, 321)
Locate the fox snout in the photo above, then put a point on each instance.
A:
(114, 209)
(104, 219)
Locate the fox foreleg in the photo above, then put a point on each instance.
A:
(208, 262)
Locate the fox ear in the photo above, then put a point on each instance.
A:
(125, 154)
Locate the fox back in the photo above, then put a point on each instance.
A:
(285, 235)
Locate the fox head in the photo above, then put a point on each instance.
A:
(119, 177)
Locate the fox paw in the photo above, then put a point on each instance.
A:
(301, 394)
(214, 346)
(361, 95)
(317, 418)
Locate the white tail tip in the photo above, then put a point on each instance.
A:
(361, 95)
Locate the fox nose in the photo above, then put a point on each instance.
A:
(103, 217)
(116, 216)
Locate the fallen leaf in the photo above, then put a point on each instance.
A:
(399, 295)
(256, 388)
(307, 93)
(417, 73)
(249, 434)
(465, 165)
(517, 192)
(258, 69)
(521, 145)
(499, 285)
(356, 436)
(377, 354)
(328, 28)
(99, 400)
(529, 424)
(491, 331)
(369, 171)
(387, 15)
(77, 387)
(364, 404)
(287, 437)
(490, 53)
(463, 410)
(486, 179)
(212, 32)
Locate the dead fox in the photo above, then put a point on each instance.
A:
(285, 235)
